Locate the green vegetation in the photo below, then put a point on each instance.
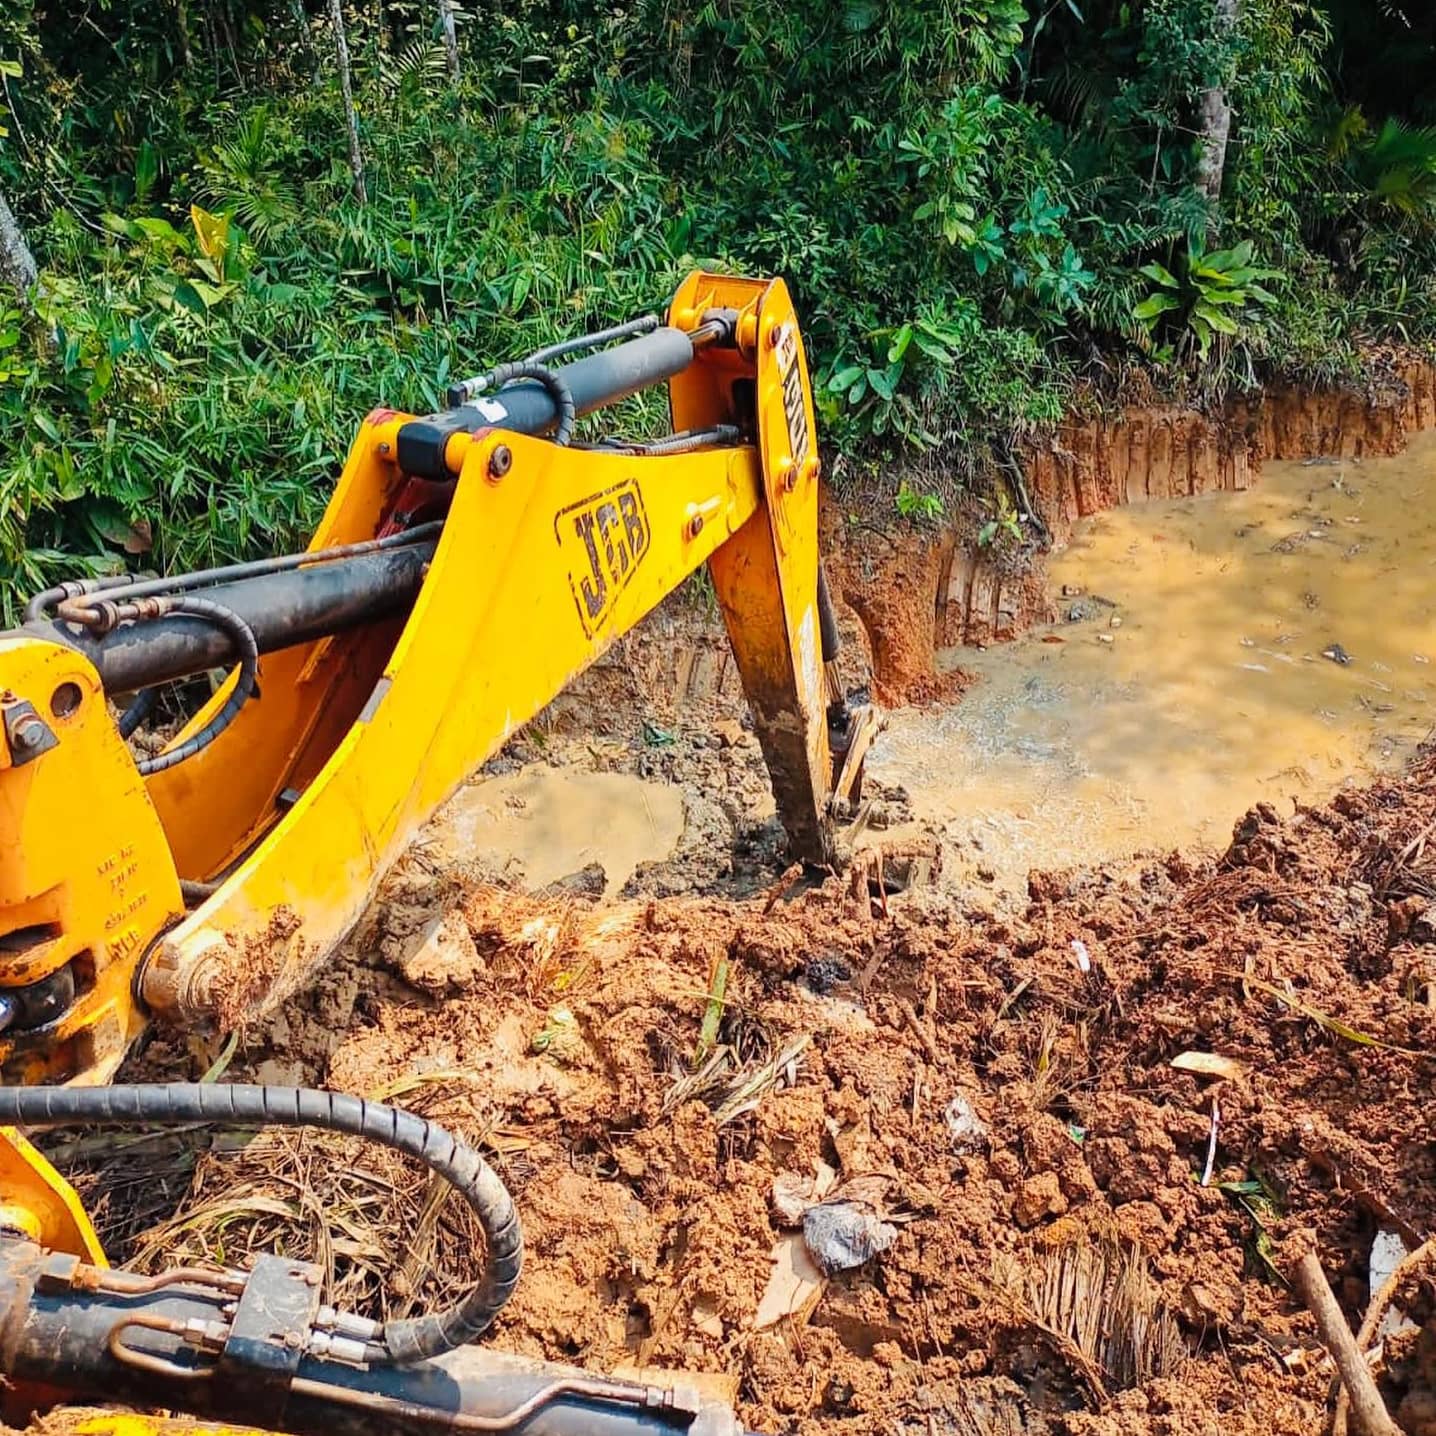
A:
(979, 203)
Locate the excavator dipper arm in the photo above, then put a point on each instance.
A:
(468, 567)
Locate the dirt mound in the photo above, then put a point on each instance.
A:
(999, 1094)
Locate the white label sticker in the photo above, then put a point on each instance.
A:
(491, 409)
(808, 657)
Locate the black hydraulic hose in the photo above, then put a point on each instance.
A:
(122, 588)
(239, 695)
(644, 324)
(551, 380)
(137, 712)
(167, 1104)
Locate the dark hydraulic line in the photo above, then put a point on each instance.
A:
(243, 636)
(170, 1104)
(643, 324)
(122, 586)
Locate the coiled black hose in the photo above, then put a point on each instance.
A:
(239, 695)
(180, 1103)
(550, 379)
(137, 712)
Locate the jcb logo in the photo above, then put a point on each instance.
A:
(793, 408)
(604, 539)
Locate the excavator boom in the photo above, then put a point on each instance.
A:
(469, 566)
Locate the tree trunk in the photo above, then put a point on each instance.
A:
(1215, 117)
(17, 264)
(182, 24)
(351, 119)
(451, 39)
(306, 41)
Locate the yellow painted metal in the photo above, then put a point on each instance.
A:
(215, 805)
(319, 784)
(534, 577)
(303, 802)
(126, 1423)
(766, 578)
(37, 1200)
(86, 879)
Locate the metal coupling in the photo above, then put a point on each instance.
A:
(328, 1347)
(180, 987)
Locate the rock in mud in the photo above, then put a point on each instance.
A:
(1040, 1197)
(439, 958)
(589, 881)
(728, 731)
(825, 972)
(841, 1235)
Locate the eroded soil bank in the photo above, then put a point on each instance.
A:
(1208, 653)
(923, 591)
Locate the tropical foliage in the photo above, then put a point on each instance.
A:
(980, 203)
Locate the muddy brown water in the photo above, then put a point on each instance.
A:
(1187, 677)
(543, 823)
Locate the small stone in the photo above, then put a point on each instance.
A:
(728, 731)
(825, 972)
(1041, 1196)
(1115, 621)
(842, 1235)
(589, 881)
(1105, 638)
(441, 957)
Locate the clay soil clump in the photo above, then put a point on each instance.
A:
(1072, 1249)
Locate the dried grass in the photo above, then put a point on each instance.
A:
(387, 1239)
(1100, 1311)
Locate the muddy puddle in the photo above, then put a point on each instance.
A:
(1272, 645)
(542, 823)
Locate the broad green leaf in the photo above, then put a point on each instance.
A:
(152, 227)
(188, 297)
(1161, 274)
(1222, 323)
(846, 378)
(898, 347)
(1154, 305)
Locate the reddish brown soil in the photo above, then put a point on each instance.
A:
(891, 582)
(1302, 956)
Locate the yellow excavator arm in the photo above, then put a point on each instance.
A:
(469, 565)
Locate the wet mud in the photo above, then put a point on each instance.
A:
(1088, 1234)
